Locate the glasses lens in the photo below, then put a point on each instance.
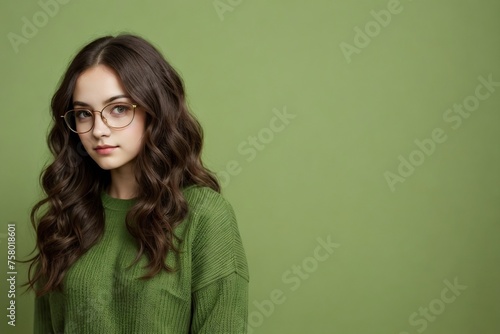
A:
(118, 115)
(79, 120)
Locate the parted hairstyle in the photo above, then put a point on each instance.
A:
(69, 220)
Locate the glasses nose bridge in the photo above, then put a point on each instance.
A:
(105, 121)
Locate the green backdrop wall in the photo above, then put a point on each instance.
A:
(358, 142)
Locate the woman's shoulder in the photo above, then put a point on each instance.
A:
(205, 199)
(210, 213)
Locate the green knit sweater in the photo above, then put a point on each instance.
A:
(209, 294)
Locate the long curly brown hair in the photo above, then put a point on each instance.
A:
(70, 219)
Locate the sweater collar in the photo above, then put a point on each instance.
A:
(124, 204)
(116, 203)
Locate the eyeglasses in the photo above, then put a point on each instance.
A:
(115, 115)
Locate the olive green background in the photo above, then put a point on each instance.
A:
(322, 172)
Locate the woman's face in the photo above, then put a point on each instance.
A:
(111, 149)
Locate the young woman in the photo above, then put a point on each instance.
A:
(133, 235)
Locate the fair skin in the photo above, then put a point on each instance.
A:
(95, 88)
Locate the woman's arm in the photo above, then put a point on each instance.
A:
(221, 307)
(220, 274)
(42, 321)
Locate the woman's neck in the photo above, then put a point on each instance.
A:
(123, 183)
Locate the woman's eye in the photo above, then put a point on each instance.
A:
(120, 109)
(83, 114)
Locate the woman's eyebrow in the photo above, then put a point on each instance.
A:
(111, 99)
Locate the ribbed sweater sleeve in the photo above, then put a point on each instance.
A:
(42, 319)
(217, 247)
(221, 306)
(220, 272)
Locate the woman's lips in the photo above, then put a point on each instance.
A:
(104, 150)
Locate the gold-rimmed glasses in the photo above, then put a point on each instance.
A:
(116, 115)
